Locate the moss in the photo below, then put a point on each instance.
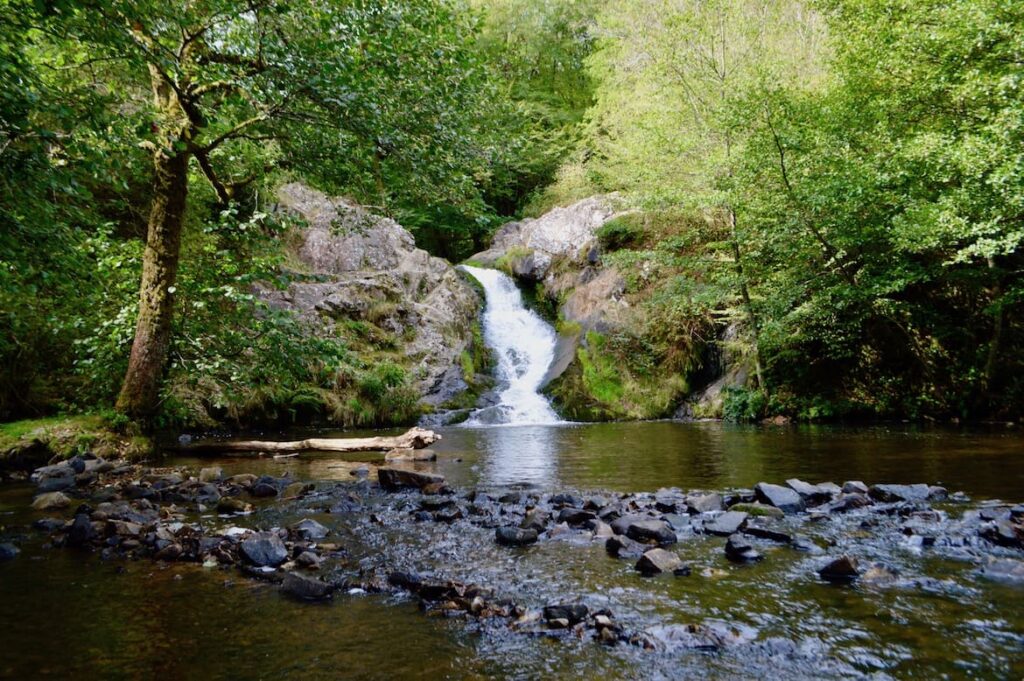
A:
(506, 263)
(758, 510)
(30, 443)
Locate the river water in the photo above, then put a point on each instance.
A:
(66, 614)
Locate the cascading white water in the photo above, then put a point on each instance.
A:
(524, 345)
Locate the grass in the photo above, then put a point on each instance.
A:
(66, 436)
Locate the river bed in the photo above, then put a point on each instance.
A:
(66, 613)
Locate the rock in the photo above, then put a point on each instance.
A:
(306, 588)
(728, 523)
(8, 551)
(308, 560)
(851, 502)
(310, 529)
(410, 454)
(572, 613)
(780, 497)
(50, 500)
(805, 545)
(768, 533)
(1003, 533)
(56, 483)
(936, 493)
(739, 551)
(854, 487)
(622, 523)
(841, 570)
(264, 549)
(704, 503)
(879, 574)
(1007, 569)
(170, 552)
(575, 517)
(211, 474)
(392, 479)
(263, 490)
(232, 505)
(81, 531)
(656, 561)
(657, 531)
(601, 529)
(624, 547)
(535, 519)
(562, 500)
(243, 479)
(757, 509)
(892, 493)
(296, 489)
(812, 494)
(515, 536)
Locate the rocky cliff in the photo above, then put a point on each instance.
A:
(362, 273)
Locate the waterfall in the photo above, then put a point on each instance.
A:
(524, 346)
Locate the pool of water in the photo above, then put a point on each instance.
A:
(71, 615)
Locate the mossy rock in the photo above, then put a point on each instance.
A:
(758, 510)
(35, 442)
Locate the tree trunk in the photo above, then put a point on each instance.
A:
(139, 392)
(414, 438)
(755, 328)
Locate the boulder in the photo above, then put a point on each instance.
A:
(211, 474)
(1007, 569)
(728, 523)
(813, 494)
(50, 500)
(232, 505)
(850, 502)
(844, 569)
(57, 483)
(893, 493)
(624, 547)
(762, 532)
(757, 509)
(573, 612)
(651, 531)
(392, 479)
(8, 551)
(309, 529)
(305, 587)
(854, 487)
(704, 503)
(575, 517)
(782, 498)
(308, 560)
(535, 519)
(81, 531)
(656, 561)
(1003, 533)
(738, 550)
(515, 536)
(264, 549)
(263, 490)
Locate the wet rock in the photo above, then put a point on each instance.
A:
(1007, 569)
(575, 517)
(263, 490)
(854, 487)
(622, 523)
(305, 587)
(171, 551)
(1003, 533)
(844, 569)
(677, 521)
(243, 479)
(704, 503)
(657, 531)
(448, 515)
(879, 574)
(739, 550)
(782, 498)
(535, 519)
(232, 505)
(308, 560)
(562, 500)
(510, 498)
(8, 551)
(50, 500)
(56, 483)
(309, 529)
(515, 536)
(601, 529)
(851, 502)
(757, 509)
(728, 523)
(49, 524)
(81, 531)
(595, 504)
(657, 561)
(762, 532)
(893, 493)
(573, 613)
(813, 494)
(264, 549)
(392, 479)
(296, 489)
(937, 493)
(624, 547)
(1017, 514)
(211, 474)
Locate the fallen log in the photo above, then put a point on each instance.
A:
(414, 438)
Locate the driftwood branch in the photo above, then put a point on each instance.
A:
(414, 438)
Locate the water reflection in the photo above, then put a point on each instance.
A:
(517, 455)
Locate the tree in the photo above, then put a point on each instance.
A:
(250, 83)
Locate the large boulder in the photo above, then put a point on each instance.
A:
(265, 549)
(782, 498)
(360, 266)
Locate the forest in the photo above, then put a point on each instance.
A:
(831, 191)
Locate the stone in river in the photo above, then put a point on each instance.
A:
(56, 483)
(211, 474)
(573, 612)
(728, 523)
(307, 528)
(782, 498)
(536, 519)
(392, 479)
(561, 500)
(739, 550)
(515, 536)
(50, 500)
(844, 569)
(854, 487)
(651, 531)
(891, 493)
(575, 516)
(81, 532)
(622, 523)
(656, 561)
(762, 532)
(1004, 569)
(309, 560)
(306, 588)
(263, 490)
(814, 494)
(757, 509)
(601, 529)
(851, 502)
(704, 503)
(9, 551)
(265, 549)
(624, 547)
(1004, 534)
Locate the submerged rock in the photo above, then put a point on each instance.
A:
(8, 551)
(392, 479)
(573, 612)
(704, 503)
(305, 587)
(50, 500)
(728, 523)
(624, 547)
(739, 550)
(307, 528)
(844, 569)
(657, 531)
(757, 509)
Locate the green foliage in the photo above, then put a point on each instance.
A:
(741, 405)
(618, 233)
